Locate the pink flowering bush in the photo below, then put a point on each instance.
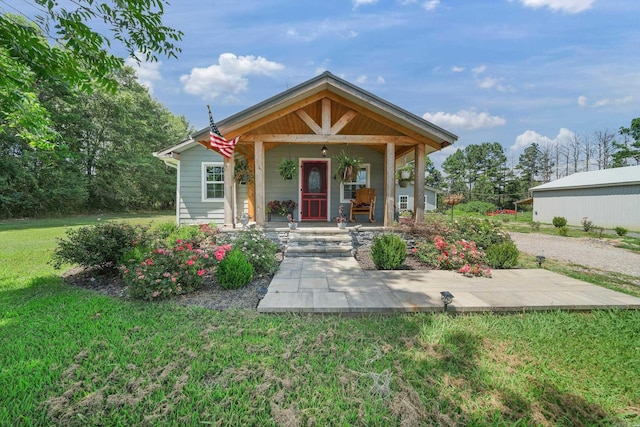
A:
(166, 272)
(460, 255)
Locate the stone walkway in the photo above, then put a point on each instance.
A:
(339, 285)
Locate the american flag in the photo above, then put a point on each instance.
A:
(217, 141)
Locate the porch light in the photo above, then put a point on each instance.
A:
(540, 259)
(324, 151)
(446, 297)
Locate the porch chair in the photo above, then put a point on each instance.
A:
(363, 204)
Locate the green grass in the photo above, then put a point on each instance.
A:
(72, 357)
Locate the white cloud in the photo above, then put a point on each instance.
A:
(357, 3)
(431, 4)
(608, 101)
(228, 77)
(582, 101)
(465, 119)
(569, 6)
(478, 70)
(457, 69)
(147, 72)
(362, 79)
(380, 80)
(529, 137)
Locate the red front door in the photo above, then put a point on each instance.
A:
(314, 190)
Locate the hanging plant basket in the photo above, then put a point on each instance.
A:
(288, 169)
(348, 167)
(242, 174)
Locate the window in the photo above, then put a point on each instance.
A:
(348, 189)
(403, 203)
(212, 181)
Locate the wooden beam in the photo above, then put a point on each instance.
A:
(260, 205)
(344, 120)
(326, 116)
(229, 184)
(331, 139)
(309, 121)
(251, 191)
(418, 184)
(389, 184)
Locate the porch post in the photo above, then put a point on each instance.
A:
(418, 184)
(229, 185)
(389, 184)
(260, 206)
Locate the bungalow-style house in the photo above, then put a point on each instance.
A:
(311, 124)
(607, 197)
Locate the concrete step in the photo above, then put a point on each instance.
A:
(324, 243)
(321, 251)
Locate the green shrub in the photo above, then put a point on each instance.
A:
(559, 221)
(476, 206)
(535, 226)
(100, 245)
(621, 231)
(586, 224)
(502, 255)
(162, 230)
(388, 251)
(234, 271)
(135, 255)
(563, 231)
(482, 231)
(259, 250)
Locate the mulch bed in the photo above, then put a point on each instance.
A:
(211, 295)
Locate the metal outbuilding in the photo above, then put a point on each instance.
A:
(608, 198)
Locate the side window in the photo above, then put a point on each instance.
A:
(348, 189)
(403, 203)
(212, 181)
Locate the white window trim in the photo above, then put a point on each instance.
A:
(366, 166)
(203, 181)
(400, 197)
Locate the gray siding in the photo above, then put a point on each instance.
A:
(430, 199)
(604, 206)
(191, 209)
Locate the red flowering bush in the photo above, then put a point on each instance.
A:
(461, 255)
(167, 272)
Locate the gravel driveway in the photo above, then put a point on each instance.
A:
(588, 252)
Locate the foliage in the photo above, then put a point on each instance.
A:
(281, 207)
(453, 199)
(621, 231)
(388, 251)
(340, 219)
(535, 225)
(288, 168)
(483, 231)
(162, 230)
(586, 224)
(100, 245)
(242, 173)
(166, 272)
(234, 271)
(410, 168)
(629, 149)
(563, 230)
(559, 221)
(502, 255)
(347, 166)
(259, 250)
(79, 55)
(476, 206)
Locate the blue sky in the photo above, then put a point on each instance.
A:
(511, 71)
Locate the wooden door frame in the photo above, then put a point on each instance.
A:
(300, 183)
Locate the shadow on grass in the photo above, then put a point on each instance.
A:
(467, 393)
(74, 220)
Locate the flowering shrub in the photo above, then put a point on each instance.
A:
(259, 250)
(166, 272)
(483, 231)
(461, 255)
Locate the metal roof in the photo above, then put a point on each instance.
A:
(601, 178)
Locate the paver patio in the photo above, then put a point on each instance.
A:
(340, 285)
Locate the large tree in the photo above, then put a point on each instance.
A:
(60, 45)
(628, 151)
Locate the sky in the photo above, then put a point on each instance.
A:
(507, 71)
